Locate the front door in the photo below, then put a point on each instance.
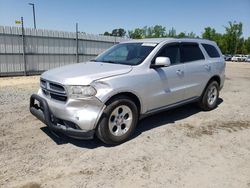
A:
(167, 84)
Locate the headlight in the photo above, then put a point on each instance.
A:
(77, 92)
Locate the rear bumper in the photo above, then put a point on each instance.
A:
(42, 111)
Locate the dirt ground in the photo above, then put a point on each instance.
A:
(184, 147)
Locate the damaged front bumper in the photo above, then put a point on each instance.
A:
(69, 119)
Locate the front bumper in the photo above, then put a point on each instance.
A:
(39, 108)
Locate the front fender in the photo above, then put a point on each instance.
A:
(105, 92)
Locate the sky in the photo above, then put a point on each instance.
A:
(98, 16)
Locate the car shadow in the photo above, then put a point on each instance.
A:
(168, 116)
(148, 123)
(61, 139)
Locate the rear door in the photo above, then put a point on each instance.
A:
(197, 69)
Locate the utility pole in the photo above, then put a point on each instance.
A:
(77, 55)
(34, 14)
(23, 43)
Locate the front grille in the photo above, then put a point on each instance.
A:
(53, 90)
(58, 97)
(56, 87)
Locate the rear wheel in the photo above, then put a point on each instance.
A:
(210, 96)
(118, 121)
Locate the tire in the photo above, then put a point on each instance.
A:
(118, 121)
(210, 96)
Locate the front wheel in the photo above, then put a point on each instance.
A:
(118, 121)
(210, 96)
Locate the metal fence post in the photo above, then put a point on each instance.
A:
(77, 46)
(23, 42)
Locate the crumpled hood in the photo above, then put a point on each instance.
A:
(84, 73)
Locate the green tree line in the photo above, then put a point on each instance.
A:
(230, 42)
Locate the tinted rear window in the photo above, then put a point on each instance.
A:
(211, 50)
(191, 52)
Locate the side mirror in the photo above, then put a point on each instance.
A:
(161, 62)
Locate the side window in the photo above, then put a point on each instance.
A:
(172, 52)
(211, 50)
(191, 52)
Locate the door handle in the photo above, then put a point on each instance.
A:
(208, 67)
(179, 72)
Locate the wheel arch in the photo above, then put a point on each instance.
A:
(213, 78)
(128, 94)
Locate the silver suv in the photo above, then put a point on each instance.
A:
(108, 95)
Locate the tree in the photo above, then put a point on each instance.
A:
(209, 33)
(106, 33)
(148, 32)
(118, 32)
(136, 33)
(233, 37)
(171, 33)
(191, 35)
(246, 46)
(158, 31)
(181, 35)
(230, 42)
(221, 42)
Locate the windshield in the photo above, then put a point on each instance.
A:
(126, 53)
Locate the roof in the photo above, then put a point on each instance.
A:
(151, 40)
(159, 40)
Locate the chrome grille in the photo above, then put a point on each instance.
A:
(53, 90)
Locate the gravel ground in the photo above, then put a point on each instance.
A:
(184, 147)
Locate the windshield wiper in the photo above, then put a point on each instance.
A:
(94, 60)
(109, 62)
